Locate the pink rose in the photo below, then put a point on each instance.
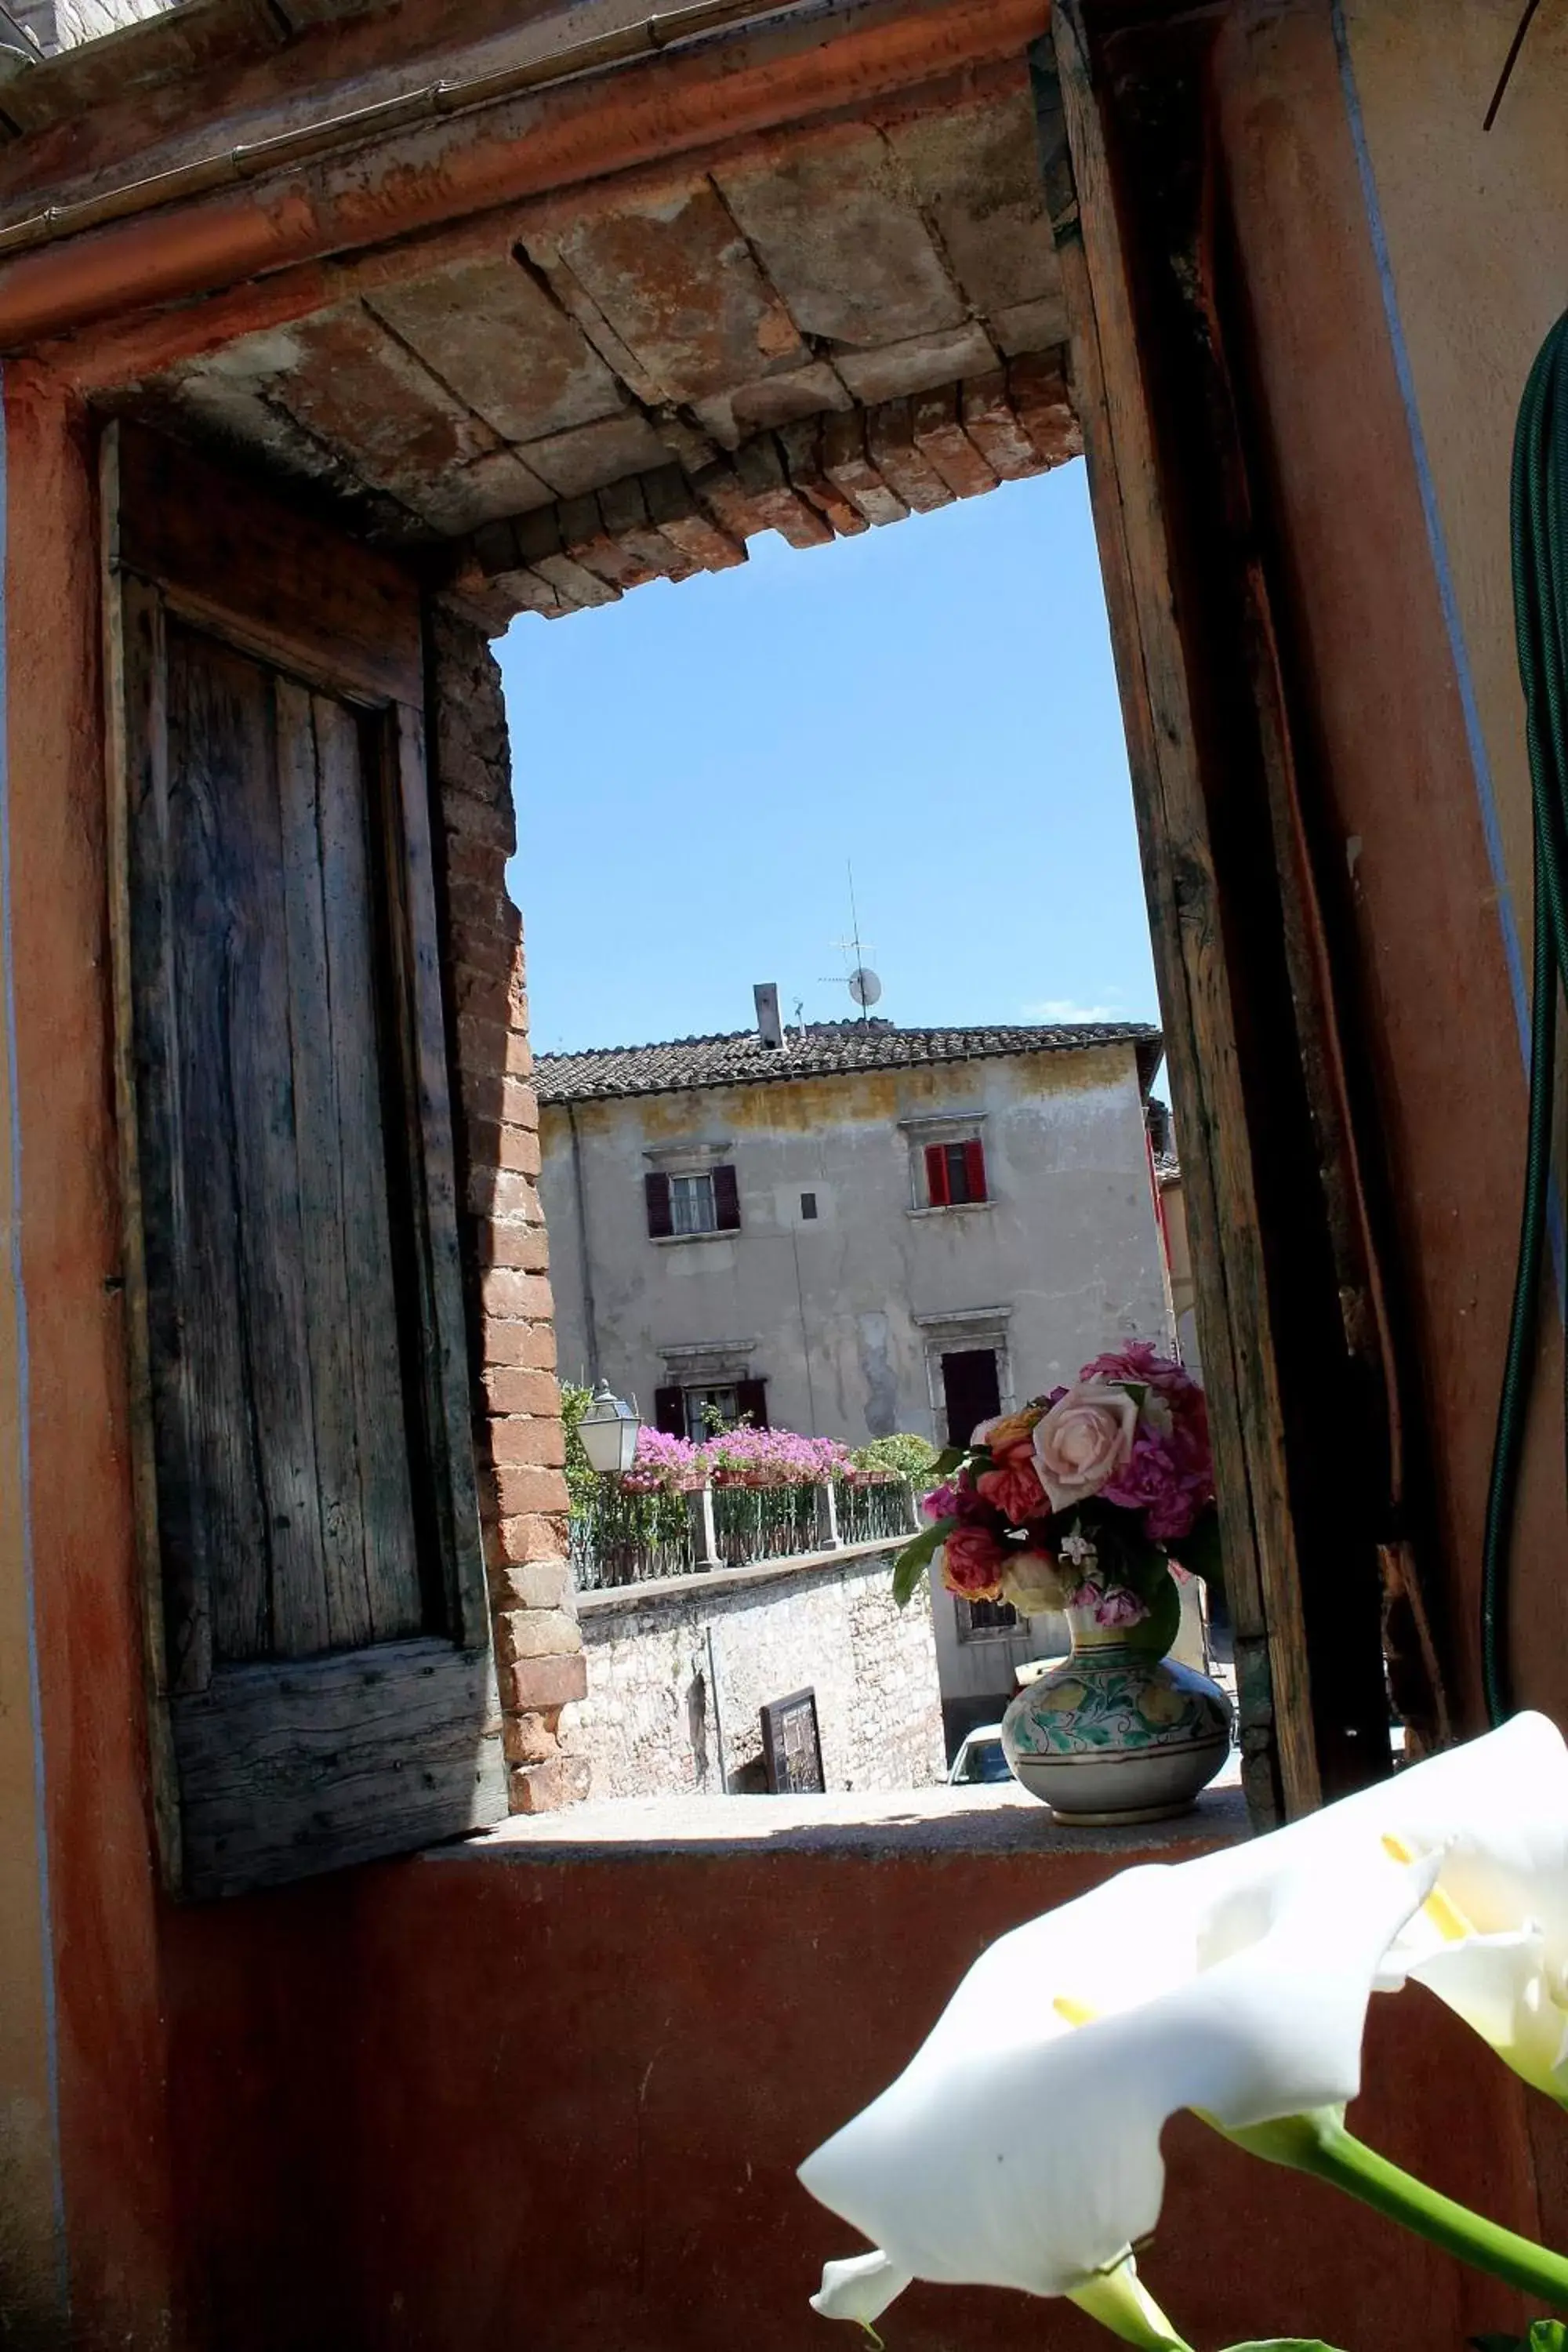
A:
(1012, 1485)
(941, 1503)
(971, 1563)
(1118, 1607)
(1083, 1441)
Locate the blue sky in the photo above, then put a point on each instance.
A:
(697, 766)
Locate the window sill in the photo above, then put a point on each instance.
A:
(679, 1241)
(953, 1209)
(883, 1822)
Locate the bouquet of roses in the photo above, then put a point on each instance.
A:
(1088, 1498)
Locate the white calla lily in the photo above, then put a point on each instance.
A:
(1236, 1984)
(1492, 1941)
(861, 2287)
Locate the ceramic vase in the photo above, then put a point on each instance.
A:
(1113, 1734)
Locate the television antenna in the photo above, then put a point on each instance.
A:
(862, 982)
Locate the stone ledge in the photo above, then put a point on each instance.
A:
(879, 1824)
(621, 1599)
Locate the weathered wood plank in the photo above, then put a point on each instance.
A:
(287, 1770)
(277, 580)
(1232, 1303)
(438, 1268)
(373, 1400)
(292, 1275)
(253, 1458)
(133, 665)
(324, 1210)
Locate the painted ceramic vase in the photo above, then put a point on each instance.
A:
(1114, 1735)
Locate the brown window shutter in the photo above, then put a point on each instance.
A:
(936, 1175)
(655, 1190)
(669, 1403)
(974, 1169)
(726, 1201)
(752, 1402)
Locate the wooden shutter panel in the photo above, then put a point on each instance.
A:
(317, 1620)
(655, 1194)
(974, 1169)
(726, 1201)
(670, 1411)
(752, 1402)
(936, 1175)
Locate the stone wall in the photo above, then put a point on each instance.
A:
(61, 23)
(519, 1439)
(677, 1672)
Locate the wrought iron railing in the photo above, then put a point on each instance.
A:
(754, 1523)
(619, 1538)
(869, 1514)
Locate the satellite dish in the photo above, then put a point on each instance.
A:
(864, 985)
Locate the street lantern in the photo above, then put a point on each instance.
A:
(609, 1431)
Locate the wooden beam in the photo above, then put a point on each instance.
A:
(1279, 1752)
(190, 232)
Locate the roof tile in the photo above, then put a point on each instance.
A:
(823, 1049)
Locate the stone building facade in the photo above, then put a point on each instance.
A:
(677, 1674)
(857, 1231)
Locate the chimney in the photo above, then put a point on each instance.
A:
(769, 1029)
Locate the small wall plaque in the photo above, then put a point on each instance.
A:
(792, 1745)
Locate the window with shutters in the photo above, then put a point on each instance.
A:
(683, 1203)
(951, 1173)
(697, 1408)
(317, 1620)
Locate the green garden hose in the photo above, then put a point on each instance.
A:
(1539, 526)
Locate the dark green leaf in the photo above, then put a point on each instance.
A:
(1199, 1552)
(916, 1557)
(1284, 2344)
(1159, 1629)
(951, 1458)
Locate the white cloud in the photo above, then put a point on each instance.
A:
(1067, 1008)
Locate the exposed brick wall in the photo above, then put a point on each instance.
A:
(518, 1441)
(822, 477)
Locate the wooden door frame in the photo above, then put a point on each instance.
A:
(1289, 1360)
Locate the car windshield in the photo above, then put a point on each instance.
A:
(982, 1759)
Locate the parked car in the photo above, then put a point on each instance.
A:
(981, 1757)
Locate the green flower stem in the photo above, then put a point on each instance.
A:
(1118, 2299)
(1320, 2145)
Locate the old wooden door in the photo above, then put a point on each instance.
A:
(316, 1606)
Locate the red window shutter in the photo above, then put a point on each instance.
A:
(936, 1175)
(974, 1169)
(726, 1201)
(670, 1411)
(752, 1402)
(656, 1189)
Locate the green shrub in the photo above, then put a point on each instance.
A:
(904, 1455)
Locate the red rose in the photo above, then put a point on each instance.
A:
(1013, 1485)
(971, 1563)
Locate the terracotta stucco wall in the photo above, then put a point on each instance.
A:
(1385, 403)
(566, 2099)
